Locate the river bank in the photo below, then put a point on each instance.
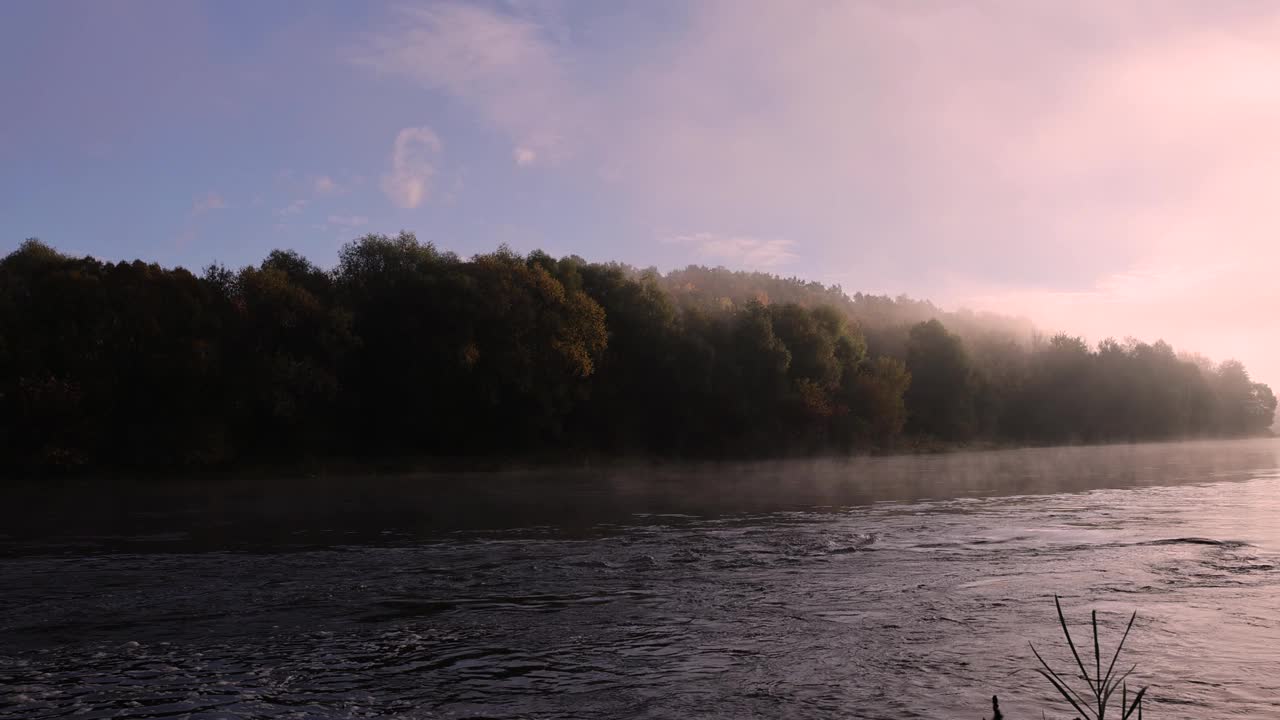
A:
(345, 467)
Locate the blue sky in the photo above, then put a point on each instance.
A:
(1102, 168)
(194, 132)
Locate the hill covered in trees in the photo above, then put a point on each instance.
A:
(405, 350)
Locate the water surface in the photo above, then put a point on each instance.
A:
(876, 588)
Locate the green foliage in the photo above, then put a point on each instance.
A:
(403, 349)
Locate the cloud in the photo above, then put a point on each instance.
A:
(306, 190)
(409, 182)
(740, 251)
(208, 201)
(201, 205)
(501, 65)
(348, 220)
(294, 208)
(524, 156)
(325, 185)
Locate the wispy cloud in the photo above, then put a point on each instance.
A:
(737, 250)
(294, 208)
(202, 205)
(325, 185)
(503, 65)
(307, 190)
(208, 201)
(524, 156)
(350, 221)
(408, 183)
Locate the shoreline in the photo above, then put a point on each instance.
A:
(427, 466)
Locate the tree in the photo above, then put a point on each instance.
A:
(1261, 408)
(405, 350)
(875, 393)
(290, 344)
(940, 398)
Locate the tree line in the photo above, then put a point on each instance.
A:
(405, 350)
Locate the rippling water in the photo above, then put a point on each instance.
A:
(882, 588)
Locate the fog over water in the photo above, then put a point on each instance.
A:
(883, 587)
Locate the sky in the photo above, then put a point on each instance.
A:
(1102, 168)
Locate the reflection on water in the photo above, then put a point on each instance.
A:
(899, 587)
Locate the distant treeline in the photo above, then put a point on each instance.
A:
(406, 351)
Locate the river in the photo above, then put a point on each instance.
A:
(870, 588)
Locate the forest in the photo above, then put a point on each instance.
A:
(404, 350)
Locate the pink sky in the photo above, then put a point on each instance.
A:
(1103, 168)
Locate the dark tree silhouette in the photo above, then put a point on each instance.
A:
(404, 350)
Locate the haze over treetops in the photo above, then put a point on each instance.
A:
(403, 350)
